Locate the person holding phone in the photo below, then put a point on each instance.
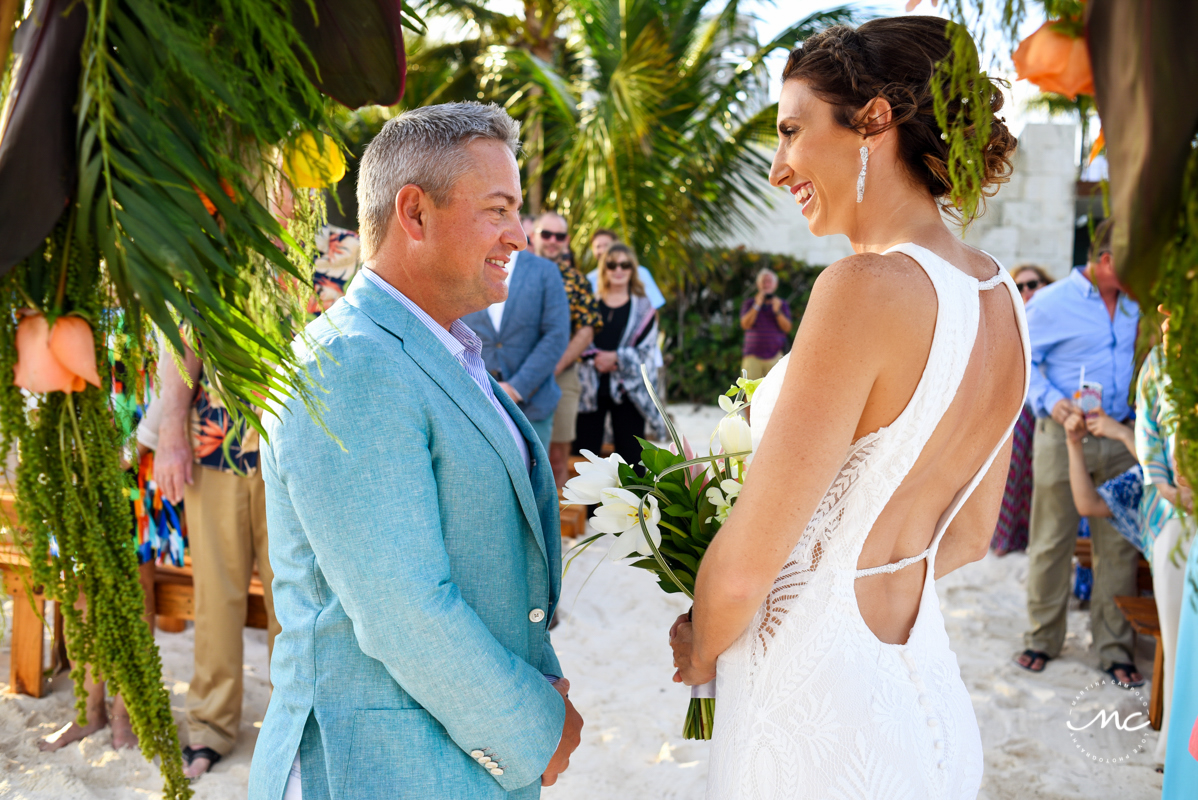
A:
(1084, 322)
(766, 321)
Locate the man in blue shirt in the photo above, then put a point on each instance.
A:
(1083, 322)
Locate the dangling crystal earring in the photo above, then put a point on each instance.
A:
(861, 177)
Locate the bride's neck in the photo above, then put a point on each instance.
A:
(894, 217)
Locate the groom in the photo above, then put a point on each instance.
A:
(417, 554)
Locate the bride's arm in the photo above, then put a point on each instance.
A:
(852, 324)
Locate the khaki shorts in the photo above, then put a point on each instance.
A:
(565, 419)
(758, 367)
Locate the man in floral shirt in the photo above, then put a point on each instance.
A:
(551, 240)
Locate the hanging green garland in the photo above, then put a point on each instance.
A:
(1178, 290)
(73, 503)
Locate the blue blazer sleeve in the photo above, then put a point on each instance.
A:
(555, 334)
(380, 546)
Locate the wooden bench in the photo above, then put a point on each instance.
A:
(1141, 615)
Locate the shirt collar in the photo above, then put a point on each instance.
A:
(458, 339)
(1084, 285)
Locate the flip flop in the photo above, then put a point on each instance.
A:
(1128, 669)
(1033, 657)
(190, 754)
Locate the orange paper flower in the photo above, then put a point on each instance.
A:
(62, 359)
(209, 206)
(1055, 61)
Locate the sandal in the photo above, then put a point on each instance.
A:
(1033, 656)
(190, 754)
(1127, 669)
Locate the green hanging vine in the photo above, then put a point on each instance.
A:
(73, 503)
(1178, 290)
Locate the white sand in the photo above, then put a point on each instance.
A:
(612, 641)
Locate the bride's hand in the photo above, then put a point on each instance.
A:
(681, 640)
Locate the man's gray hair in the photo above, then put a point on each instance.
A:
(424, 147)
(764, 273)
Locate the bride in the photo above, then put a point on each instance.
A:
(884, 441)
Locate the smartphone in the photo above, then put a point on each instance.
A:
(1089, 397)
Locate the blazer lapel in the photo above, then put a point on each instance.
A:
(423, 347)
(539, 465)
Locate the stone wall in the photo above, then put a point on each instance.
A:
(1030, 219)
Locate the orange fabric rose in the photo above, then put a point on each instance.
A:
(1055, 62)
(58, 359)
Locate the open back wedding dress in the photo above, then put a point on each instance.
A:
(810, 702)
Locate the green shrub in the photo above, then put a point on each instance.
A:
(701, 320)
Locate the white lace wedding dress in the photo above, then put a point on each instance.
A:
(811, 704)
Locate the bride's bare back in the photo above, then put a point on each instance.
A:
(990, 393)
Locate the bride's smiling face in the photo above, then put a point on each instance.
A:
(818, 159)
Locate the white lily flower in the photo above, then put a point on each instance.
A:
(735, 435)
(728, 405)
(593, 477)
(619, 515)
(722, 500)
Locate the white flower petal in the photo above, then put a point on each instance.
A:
(624, 545)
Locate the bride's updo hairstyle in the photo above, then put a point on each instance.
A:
(895, 59)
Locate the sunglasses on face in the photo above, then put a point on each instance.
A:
(547, 235)
(614, 265)
(1029, 286)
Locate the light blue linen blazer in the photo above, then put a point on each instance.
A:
(417, 565)
(532, 335)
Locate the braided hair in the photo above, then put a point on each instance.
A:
(895, 59)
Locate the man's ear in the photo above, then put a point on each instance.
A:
(411, 207)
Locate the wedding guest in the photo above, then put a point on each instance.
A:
(1156, 442)
(610, 374)
(212, 466)
(335, 265)
(1011, 531)
(525, 336)
(766, 321)
(1181, 759)
(603, 239)
(527, 224)
(1082, 322)
(1121, 498)
(584, 322)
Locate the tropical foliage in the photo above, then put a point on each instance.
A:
(701, 319)
(649, 117)
(175, 217)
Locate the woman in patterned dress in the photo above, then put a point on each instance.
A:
(1011, 531)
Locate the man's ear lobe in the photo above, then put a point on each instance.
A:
(411, 207)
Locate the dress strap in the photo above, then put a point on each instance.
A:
(895, 567)
(997, 280)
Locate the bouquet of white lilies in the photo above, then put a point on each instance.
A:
(668, 516)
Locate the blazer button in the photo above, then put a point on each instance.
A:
(497, 772)
(536, 615)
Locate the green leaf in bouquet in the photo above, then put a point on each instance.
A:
(677, 510)
(688, 561)
(677, 492)
(662, 523)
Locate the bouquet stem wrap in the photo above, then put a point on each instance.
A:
(700, 715)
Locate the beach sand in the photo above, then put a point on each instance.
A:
(612, 641)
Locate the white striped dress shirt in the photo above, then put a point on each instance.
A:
(464, 345)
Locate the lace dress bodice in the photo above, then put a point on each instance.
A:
(810, 702)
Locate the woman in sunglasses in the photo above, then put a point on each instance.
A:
(610, 372)
(1029, 279)
(1011, 531)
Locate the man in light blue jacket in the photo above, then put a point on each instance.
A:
(417, 554)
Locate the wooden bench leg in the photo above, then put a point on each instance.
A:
(28, 640)
(1156, 701)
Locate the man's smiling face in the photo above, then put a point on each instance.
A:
(476, 232)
